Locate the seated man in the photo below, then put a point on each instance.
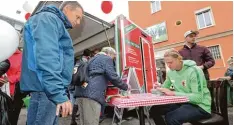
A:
(188, 80)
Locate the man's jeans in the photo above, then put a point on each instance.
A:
(41, 110)
(177, 114)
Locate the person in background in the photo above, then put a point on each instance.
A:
(13, 75)
(229, 76)
(94, 52)
(92, 93)
(48, 61)
(200, 54)
(85, 58)
(5, 98)
(188, 80)
(4, 84)
(71, 88)
(14, 72)
(102, 114)
(103, 107)
(4, 67)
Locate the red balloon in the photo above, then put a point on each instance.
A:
(27, 15)
(106, 6)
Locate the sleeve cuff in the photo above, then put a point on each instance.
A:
(60, 98)
(180, 94)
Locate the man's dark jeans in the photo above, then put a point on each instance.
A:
(177, 114)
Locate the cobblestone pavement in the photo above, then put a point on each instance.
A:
(107, 121)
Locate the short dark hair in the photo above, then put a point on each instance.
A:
(72, 4)
(96, 50)
(87, 52)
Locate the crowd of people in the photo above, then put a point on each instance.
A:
(46, 68)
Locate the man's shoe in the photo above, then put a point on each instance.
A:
(73, 123)
(101, 120)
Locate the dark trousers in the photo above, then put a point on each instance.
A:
(177, 114)
(74, 114)
(17, 104)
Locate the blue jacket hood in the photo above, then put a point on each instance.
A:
(59, 13)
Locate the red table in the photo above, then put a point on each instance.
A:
(145, 99)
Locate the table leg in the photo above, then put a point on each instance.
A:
(141, 116)
(118, 114)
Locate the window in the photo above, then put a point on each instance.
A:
(215, 51)
(155, 6)
(158, 32)
(204, 18)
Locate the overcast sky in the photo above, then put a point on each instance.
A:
(93, 7)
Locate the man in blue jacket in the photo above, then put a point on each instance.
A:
(47, 62)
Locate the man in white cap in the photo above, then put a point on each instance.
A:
(200, 54)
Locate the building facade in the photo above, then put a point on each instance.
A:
(167, 21)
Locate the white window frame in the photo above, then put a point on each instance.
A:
(221, 53)
(154, 3)
(218, 48)
(211, 17)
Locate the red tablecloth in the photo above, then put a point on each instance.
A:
(146, 99)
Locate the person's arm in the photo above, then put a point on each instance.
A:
(15, 77)
(225, 78)
(18, 73)
(47, 56)
(231, 77)
(167, 83)
(4, 66)
(228, 75)
(208, 58)
(112, 76)
(196, 94)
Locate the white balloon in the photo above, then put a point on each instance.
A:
(27, 7)
(9, 40)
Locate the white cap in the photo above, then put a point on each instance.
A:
(190, 32)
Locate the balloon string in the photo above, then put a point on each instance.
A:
(106, 34)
